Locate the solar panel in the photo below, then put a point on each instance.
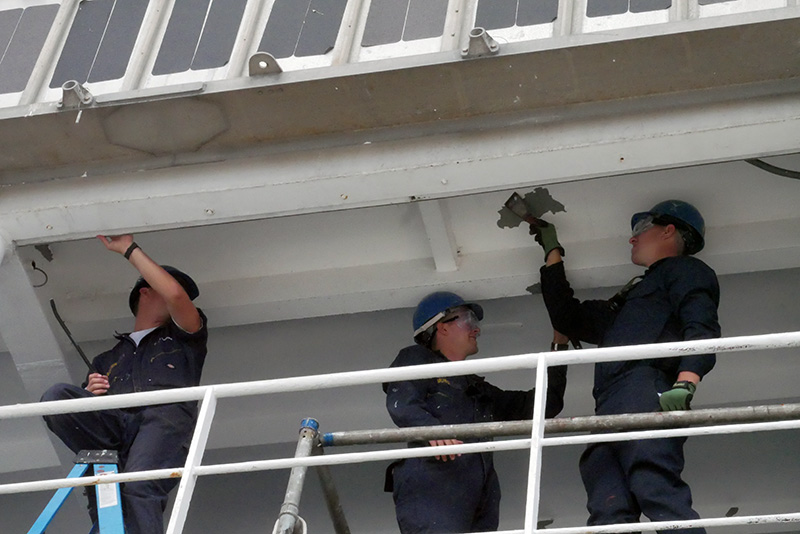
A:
(392, 21)
(302, 28)
(604, 8)
(22, 35)
(497, 14)
(100, 41)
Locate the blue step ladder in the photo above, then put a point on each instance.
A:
(109, 506)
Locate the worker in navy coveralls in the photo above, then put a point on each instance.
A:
(166, 349)
(675, 300)
(452, 493)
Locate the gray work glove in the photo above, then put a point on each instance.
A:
(546, 236)
(679, 397)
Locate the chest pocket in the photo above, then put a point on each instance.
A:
(166, 363)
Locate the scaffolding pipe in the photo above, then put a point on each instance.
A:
(596, 423)
(335, 509)
(390, 455)
(290, 509)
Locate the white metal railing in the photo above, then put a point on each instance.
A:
(540, 361)
(571, 20)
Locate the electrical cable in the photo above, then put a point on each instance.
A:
(763, 165)
(46, 278)
(69, 335)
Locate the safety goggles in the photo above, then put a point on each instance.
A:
(465, 319)
(642, 226)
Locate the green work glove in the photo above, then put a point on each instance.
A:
(546, 236)
(679, 397)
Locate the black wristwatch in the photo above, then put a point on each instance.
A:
(554, 347)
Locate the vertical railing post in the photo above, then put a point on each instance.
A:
(565, 19)
(244, 46)
(145, 47)
(537, 434)
(188, 480)
(49, 54)
(290, 509)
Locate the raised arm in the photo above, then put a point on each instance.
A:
(180, 306)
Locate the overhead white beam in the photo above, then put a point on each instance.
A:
(440, 235)
(591, 264)
(561, 145)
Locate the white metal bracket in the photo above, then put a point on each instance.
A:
(74, 96)
(480, 44)
(263, 63)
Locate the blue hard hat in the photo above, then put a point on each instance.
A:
(684, 216)
(435, 306)
(183, 279)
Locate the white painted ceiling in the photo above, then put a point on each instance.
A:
(381, 258)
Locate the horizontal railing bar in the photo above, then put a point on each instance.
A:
(675, 422)
(356, 378)
(370, 456)
(486, 446)
(407, 453)
(636, 421)
(673, 525)
(259, 465)
(672, 432)
(58, 483)
(384, 455)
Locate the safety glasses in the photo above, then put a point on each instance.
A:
(642, 226)
(465, 319)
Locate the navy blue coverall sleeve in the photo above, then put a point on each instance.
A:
(585, 321)
(518, 405)
(406, 401)
(694, 295)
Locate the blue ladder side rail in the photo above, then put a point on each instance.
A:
(109, 504)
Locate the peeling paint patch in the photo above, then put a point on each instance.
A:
(539, 202)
